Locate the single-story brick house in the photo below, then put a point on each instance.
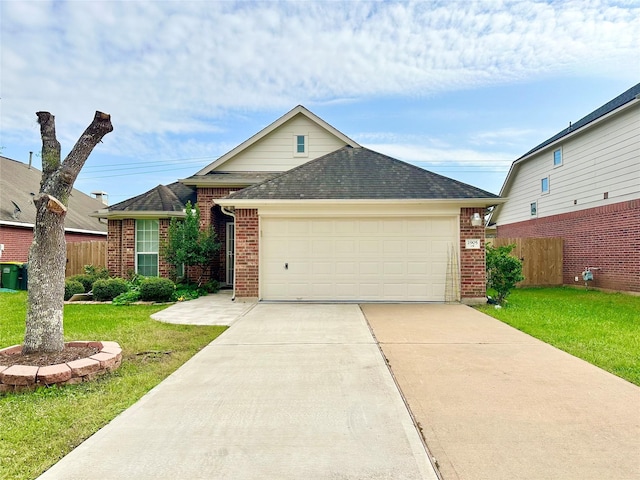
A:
(304, 213)
(19, 183)
(583, 185)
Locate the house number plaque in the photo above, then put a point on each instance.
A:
(472, 243)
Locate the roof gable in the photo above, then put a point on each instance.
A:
(19, 183)
(359, 173)
(265, 132)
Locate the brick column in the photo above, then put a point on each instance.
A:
(114, 248)
(473, 277)
(247, 253)
(128, 246)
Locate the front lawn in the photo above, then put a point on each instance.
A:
(601, 328)
(39, 428)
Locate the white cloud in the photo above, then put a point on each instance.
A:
(163, 68)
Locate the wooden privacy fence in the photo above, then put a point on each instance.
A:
(80, 254)
(541, 259)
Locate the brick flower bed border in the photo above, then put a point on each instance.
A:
(18, 378)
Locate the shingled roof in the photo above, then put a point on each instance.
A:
(359, 173)
(19, 184)
(163, 198)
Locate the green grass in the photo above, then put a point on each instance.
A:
(601, 328)
(39, 428)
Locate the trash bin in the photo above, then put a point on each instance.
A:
(10, 271)
(23, 277)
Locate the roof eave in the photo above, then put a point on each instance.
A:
(257, 203)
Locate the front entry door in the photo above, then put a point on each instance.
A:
(231, 247)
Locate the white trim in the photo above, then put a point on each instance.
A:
(135, 247)
(263, 205)
(69, 230)
(542, 190)
(270, 128)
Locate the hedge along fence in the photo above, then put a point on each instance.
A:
(80, 254)
(541, 259)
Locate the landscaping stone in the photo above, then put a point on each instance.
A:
(54, 374)
(19, 375)
(84, 366)
(22, 378)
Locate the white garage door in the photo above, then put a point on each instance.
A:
(357, 259)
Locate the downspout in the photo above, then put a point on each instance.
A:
(231, 213)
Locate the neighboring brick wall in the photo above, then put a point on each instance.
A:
(607, 237)
(473, 283)
(247, 253)
(17, 241)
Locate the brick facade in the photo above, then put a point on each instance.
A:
(607, 237)
(211, 214)
(473, 278)
(17, 241)
(247, 253)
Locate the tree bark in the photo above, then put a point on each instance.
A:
(48, 252)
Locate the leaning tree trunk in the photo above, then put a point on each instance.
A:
(48, 252)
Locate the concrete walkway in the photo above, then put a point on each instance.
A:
(495, 403)
(288, 392)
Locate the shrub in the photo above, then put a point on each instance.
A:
(96, 272)
(503, 271)
(71, 287)
(156, 289)
(108, 289)
(126, 298)
(212, 286)
(85, 280)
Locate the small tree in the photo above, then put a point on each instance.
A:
(503, 271)
(189, 245)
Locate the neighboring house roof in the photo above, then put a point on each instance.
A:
(19, 183)
(270, 128)
(358, 174)
(161, 201)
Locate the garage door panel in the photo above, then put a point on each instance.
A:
(372, 259)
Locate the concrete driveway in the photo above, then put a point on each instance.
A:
(495, 403)
(288, 392)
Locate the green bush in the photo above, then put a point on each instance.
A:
(156, 289)
(71, 287)
(108, 289)
(96, 272)
(86, 281)
(503, 271)
(126, 298)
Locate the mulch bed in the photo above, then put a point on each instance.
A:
(69, 354)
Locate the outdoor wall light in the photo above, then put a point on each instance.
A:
(476, 220)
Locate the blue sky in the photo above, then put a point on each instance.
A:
(461, 88)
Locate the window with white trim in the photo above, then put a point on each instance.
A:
(147, 247)
(300, 145)
(534, 209)
(544, 185)
(557, 157)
